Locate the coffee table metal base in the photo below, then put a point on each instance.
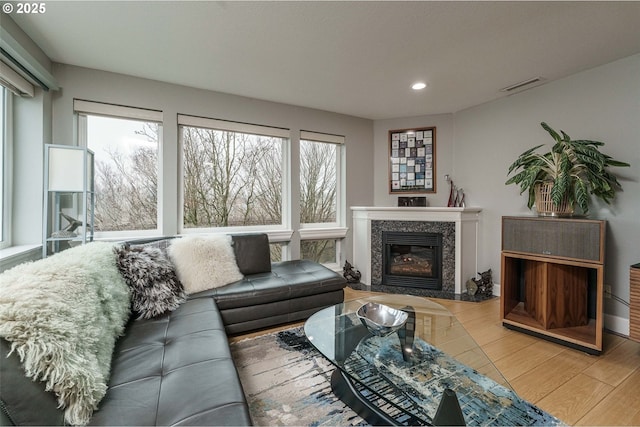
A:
(449, 412)
(345, 391)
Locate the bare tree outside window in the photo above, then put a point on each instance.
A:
(318, 195)
(231, 178)
(322, 251)
(318, 190)
(126, 172)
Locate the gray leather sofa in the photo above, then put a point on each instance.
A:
(176, 369)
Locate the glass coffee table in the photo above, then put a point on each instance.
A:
(429, 372)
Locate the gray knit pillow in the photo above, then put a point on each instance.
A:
(155, 288)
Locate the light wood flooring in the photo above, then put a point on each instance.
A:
(578, 388)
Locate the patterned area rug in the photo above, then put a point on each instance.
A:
(287, 382)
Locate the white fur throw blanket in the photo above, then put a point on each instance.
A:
(62, 315)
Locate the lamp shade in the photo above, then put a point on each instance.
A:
(68, 168)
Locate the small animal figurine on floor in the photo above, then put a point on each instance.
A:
(352, 275)
(485, 284)
(482, 286)
(472, 286)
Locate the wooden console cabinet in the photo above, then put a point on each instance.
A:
(552, 274)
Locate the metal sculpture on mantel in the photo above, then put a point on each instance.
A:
(456, 195)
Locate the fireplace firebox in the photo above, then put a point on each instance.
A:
(412, 259)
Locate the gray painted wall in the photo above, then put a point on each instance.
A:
(477, 145)
(172, 99)
(602, 104)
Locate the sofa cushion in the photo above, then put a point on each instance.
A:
(252, 252)
(287, 280)
(175, 369)
(249, 318)
(204, 262)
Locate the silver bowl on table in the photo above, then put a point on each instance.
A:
(381, 320)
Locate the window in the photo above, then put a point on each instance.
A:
(321, 206)
(318, 182)
(126, 143)
(276, 251)
(233, 174)
(322, 251)
(5, 167)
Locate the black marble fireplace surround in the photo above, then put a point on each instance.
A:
(445, 229)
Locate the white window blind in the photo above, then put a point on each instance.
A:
(321, 137)
(202, 122)
(15, 82)
(112, 110)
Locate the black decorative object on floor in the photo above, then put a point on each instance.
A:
(351, 274)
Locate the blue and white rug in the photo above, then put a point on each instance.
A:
(287, 382)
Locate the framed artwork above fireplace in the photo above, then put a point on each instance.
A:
(412, 160)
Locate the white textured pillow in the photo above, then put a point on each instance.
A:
(204, 262)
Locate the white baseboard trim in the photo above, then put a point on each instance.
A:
(496, 289)
(616, 324)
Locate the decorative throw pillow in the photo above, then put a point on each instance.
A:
(155, 288)
(252, 253)
(204, 262)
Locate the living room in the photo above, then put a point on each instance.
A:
(477, 137)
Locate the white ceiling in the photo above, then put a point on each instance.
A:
(357, 58)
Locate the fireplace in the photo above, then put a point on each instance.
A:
(412, 259)
(459, 228)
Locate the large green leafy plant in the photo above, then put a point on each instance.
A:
(577, 169)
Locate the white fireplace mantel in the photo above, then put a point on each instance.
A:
(466, 235)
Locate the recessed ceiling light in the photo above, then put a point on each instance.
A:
(418, 86)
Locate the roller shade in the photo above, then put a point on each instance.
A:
(14, 82)
(112, 110)
(321, 137)
(207, 123)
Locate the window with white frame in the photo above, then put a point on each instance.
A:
(233, 174)
(321, 196)
(323, 251)
(13, 85)
(5, 164)
(126, 144)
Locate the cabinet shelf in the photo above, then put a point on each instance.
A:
(65, 239)
(579, 335)
(559, 298)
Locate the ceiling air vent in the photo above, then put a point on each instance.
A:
(521, 84)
